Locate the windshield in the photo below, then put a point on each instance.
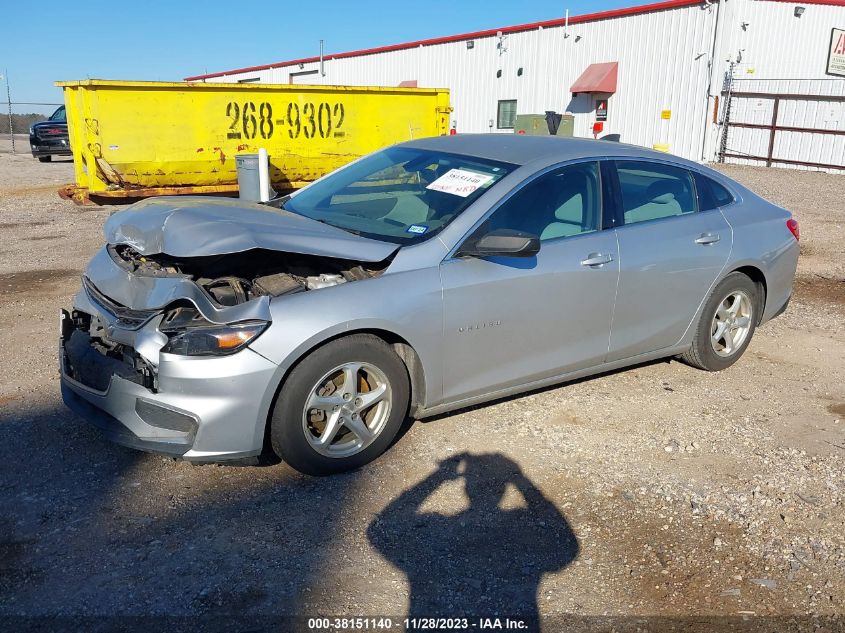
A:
(400, 195)
(59, 116)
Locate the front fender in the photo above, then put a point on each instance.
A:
(406, 304)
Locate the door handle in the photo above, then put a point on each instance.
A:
(708, 238)
(597, 259)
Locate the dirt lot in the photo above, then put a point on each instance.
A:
(660, 490)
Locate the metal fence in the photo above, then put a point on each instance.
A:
(784, 129)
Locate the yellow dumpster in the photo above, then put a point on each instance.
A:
(133, 139)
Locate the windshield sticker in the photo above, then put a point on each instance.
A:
(460, 182)
(419, 229)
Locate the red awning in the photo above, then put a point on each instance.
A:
(597, 78)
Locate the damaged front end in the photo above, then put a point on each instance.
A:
(208, 306)
(225, 300)
(236, 278)
(162, 325)
(91, 358)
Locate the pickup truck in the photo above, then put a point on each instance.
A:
(50, 138)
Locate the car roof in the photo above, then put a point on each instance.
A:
(521, 149)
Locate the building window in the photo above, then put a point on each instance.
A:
(249, 80)
(506, 114)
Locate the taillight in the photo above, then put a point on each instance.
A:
(792, 225)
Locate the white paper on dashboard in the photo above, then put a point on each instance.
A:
(459, 182)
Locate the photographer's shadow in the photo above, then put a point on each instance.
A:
(484, 561)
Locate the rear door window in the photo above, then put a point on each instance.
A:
(651, 191)
(711, 194)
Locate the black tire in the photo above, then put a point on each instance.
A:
(702, 353)
(287, 436)
(45, 159)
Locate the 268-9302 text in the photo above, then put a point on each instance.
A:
(313, 120)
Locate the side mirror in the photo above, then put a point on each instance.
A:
(504, 243)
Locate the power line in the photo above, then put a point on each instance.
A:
(32, 102)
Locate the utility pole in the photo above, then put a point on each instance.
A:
(9, 104)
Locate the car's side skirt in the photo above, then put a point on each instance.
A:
(546, 382)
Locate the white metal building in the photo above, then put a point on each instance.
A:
(751, 81)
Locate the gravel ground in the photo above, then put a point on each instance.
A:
(656, 491)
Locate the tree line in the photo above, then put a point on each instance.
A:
(20, 122)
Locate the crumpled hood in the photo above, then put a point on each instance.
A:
(197, 226)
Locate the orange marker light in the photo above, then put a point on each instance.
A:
(230, 340)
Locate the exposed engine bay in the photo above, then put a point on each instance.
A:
(235, 278)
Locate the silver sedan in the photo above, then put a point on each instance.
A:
(426, 277)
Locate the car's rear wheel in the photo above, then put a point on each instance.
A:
(341, 406)
(726, 325)
(45, 159)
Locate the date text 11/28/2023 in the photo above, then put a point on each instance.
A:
(339, 625)
(312, 120)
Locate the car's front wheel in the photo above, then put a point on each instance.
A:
(341, 406)
(45, 159)
(726, 325)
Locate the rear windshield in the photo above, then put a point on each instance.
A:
(400, 195)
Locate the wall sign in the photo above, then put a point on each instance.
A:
(836, 53)
(601, 109)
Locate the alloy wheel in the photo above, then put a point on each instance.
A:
(347, 409)
(731, 323)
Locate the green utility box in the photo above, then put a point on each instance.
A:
(567, 125)
(543, 124)
(531, 125)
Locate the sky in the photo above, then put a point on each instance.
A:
(166, 41)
